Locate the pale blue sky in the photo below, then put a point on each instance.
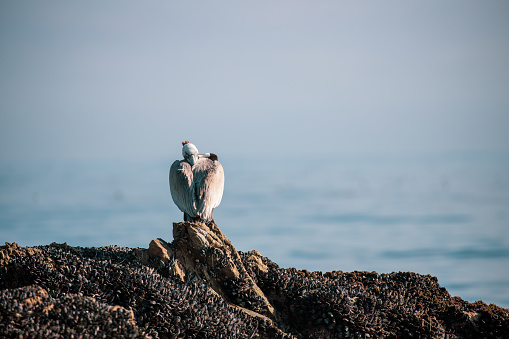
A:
(133, 79)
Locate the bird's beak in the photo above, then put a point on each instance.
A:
(192, 159)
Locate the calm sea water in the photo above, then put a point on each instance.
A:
(447, 216)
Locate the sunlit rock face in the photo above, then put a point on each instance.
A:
(204, 250)
(198, 285)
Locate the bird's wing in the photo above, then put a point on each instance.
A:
(181, 186)
(209, 186)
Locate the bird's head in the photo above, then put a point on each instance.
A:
(189, 152)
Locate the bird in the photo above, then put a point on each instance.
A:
(196, 184)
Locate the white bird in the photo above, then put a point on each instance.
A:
(196, 183)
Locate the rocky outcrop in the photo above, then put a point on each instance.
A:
(205, 251)
(200, 286)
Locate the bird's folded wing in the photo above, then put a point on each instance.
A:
(181, 186)
(209, 186)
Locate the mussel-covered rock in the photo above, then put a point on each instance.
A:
(199, 286)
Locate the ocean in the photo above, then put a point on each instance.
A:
(444, 215)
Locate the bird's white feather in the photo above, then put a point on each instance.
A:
(181, 186)
(209, 185)
(197, 189)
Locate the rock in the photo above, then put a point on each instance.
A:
(69, 315)
(205, 251)
(255, 262)
(142, 255)
(64, 246)
(11, 251)
(122, 310)
(160, 248)
(64, 291)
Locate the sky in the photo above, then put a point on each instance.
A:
(130, 79)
